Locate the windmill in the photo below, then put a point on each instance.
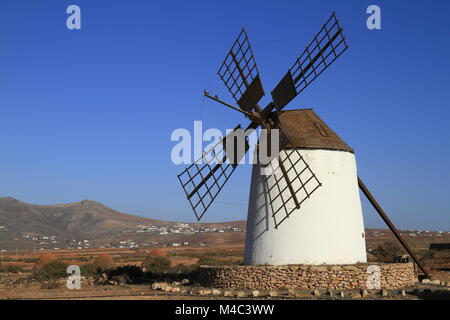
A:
(308, 210)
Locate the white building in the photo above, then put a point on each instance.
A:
(328, 227)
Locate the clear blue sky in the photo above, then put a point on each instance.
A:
(88, 114)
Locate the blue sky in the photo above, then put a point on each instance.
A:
(88, 114)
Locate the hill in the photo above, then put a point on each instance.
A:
(87, 219)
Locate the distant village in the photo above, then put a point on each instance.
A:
(154, 235)
(52, 242)
(380, 233)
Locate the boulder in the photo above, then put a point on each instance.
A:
(168, 288)
(204, 292)
(159, 286)
(255, 293)
(228, 293)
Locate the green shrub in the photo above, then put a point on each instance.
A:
(51, 270)
(130, 274)
(10, 268)
(156, 266)
(387, 251)
(89, 269)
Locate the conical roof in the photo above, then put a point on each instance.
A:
(305, 129)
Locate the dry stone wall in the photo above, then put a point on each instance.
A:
(363, 276)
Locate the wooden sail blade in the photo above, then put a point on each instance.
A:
(328, 45)
(240, 74)
(297, 174)
(204, 179)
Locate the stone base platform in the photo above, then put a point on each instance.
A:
(357, 276)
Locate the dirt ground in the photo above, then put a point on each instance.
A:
(144, 292)
(18, 286)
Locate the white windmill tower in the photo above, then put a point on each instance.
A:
(327, 225)
(308, 211)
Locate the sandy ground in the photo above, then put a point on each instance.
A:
(144, 292)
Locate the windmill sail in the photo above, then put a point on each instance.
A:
(328, 45)
(204, 179)
(291, 168)
(240, 74)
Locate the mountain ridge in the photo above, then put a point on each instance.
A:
(86, 218)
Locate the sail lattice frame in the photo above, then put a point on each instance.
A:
(302, 179)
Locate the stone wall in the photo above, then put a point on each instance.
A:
(391, 276)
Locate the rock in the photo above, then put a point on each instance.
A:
(273, 293)
(436, 281)
(316, 293)
(175, 290)
(342, 294)
(291, 292)
(204, 292)
(159, 286)
(175, 283)
(216, 292)
(403, 293)
(335, 268)
(330, 292)
(255, 293)
(240, 294)
(355, 295)
(364, 293)
(337, 278)
(103, 279)
(185, 281)
(426, 280)
(228, 293)
(168, 288)
(384, 293)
